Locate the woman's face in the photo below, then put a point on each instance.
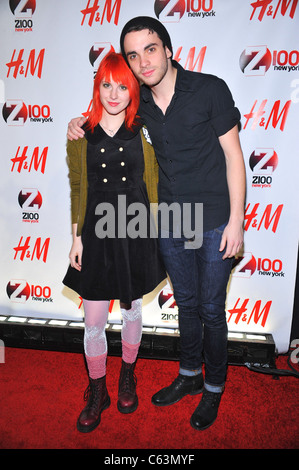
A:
(114, 97)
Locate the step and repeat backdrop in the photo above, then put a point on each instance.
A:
(49, 53)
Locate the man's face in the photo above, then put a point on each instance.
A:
(147, 56)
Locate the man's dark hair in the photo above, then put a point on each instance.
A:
(145, 22)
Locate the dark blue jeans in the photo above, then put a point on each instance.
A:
(199, 279)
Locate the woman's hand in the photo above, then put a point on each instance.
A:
(76, 250)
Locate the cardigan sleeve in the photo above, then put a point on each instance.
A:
(151, 170)
(74, 165)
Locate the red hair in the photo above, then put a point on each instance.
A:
(114, 67)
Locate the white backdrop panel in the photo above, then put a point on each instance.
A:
(46, 73)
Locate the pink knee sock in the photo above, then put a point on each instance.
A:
(96, 365)
(129, 352)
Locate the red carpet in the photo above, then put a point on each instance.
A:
(42, 395)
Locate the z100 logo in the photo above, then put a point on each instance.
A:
(16, 113)
(173, 10)
(30, 200)
(263, 163)
(23, 11)
(166, 302)
(97, 52)
(256, 60)
(19, 291)
(245, 266)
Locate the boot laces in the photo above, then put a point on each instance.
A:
(210, 398)
(87, 393)
(92, 395)
(129, 381)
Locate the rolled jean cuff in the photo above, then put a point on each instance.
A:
(214, 388)
(189, 373)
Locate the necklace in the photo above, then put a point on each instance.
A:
(111, 132)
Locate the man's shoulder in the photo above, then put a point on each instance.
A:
(190, 80)
(200, 78)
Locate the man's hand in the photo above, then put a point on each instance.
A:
(232, 239)
(74, 131)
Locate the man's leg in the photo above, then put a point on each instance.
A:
(180, 263)
(214, 274)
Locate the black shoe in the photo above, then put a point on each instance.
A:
(181, 386)
(206, 412)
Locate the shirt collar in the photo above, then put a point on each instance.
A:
(183, 82)
(123, 133)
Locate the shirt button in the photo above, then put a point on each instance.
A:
(104, 165)
(121, 149)
(124, 178)
(105, 180)
(102, 150)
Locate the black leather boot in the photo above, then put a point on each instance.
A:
(98, 400)
(181, 386)
(207, 410)
(127, 397)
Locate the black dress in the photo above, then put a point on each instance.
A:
(116, 262)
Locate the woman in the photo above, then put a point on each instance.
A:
(108, 169)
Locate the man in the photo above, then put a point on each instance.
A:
(193, 125)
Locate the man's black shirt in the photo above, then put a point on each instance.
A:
(191, 161)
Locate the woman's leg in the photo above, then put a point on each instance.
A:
(95, 348)
(131, 331)
(95, 342)
(131, 338)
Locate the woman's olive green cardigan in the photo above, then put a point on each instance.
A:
(76, 159)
